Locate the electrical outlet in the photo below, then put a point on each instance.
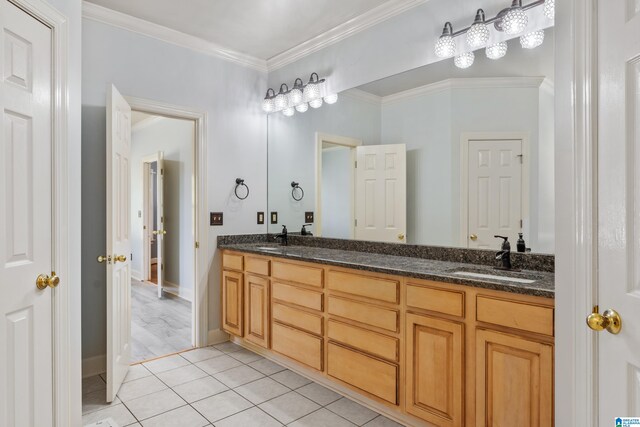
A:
(308, 217)
(274, 217)
(215, 218)
(260, 217)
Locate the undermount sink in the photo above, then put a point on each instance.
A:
(493, 277)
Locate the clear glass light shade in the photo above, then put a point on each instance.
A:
(514, 21)
(445, 47)
(316, 103)
(550, 8)
(289, 111)
(464, 60)
(532, 40)
(295, 96)
(301, 108)
(331, 99)
(281, 101)
(496, 51)
(311, 92)
(268, 105)
(477, 35)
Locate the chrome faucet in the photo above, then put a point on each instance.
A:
(304, 230)
(283, 236)
(504, 254)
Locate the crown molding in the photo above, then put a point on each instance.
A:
(466, 83)
(111, 17)
(368, 19)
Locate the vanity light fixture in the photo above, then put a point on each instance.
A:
(512, 20)
(478, 33)
(299, 98)
(532, 40)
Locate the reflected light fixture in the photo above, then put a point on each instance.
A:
(331, 99)
(446, 46)
(290, 111)
(478, 33)
(312, 90)
(295, 95)
(299, 98)
(315, 103)
(550, 9)
(301, 108)
(282, 101)
(464, 60)
(496, 51)
(515, 20)
(532, 40)
(268, 104)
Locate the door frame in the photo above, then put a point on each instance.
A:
(465, 138)
(344, 141)
(576, 144)
(66, 326)
(199, 318)
(147, 215)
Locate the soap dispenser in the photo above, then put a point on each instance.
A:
(520, 244)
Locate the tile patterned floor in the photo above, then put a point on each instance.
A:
(222, 386)
(159, 326)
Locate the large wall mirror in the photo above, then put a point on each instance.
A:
(436, 155)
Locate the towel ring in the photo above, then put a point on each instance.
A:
(240, 183)
(294, 186)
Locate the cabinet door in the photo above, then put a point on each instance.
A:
(257, 310)
(232, 302)
(514, 381)
(435, 370)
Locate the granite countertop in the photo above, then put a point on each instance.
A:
(526, 282)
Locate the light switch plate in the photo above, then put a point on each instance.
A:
(216, 218)
(308, 217)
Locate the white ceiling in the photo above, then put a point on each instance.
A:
(259, 28)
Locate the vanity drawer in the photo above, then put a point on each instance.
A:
(298, 296)
(363, 372)
(435, 299)
(372, 342)
(256, 265)
(232, 261)
(298, 345)
(517, 315)
(300, 319)
(302, 274)
(364, 286)
(364, 313)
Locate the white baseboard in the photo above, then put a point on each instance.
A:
(136, 275)
(175, 289)
(217, 336)
(95, 365)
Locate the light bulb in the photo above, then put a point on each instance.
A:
(289, 111)
(478, 33)
(514, 21)
(301, 108)
(331, 99)
(532, 40)
(316, 103)
(311, 92)
(496, 51)
(464, 60)
(268, 105)
(550, 8)
(295, 96)
(445, 47)
(281, 101)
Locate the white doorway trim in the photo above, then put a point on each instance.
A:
(200, 293)
(465, 137)
(147, 214)
(66, 326)
(576, 397)
(344, 141)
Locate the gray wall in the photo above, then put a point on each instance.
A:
(144, 67)
(337, 186)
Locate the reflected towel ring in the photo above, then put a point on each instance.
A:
(294, 186)
(240, 183)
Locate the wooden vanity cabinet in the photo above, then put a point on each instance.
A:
(232, 302)
(256, 306)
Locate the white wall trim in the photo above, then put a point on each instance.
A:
(145, 123)
(217, 336)
(466, 83)
(360, 23)
(465, 138)
(576, 149)
(111, 17)
(95, 365)
(201, 288)
(179, 291)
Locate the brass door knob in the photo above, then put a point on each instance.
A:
(401, 236)
(44, 281)
(119, 258)
(609, 320)
(474, 237)
(103, 258)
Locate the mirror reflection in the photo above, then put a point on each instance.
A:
(436, 156)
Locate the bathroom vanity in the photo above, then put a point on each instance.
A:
(426, 342)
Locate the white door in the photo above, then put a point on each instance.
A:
(381, 193)
(494, 192)
(161, 231)
(118, 240)
(619, 207)
(26, 357)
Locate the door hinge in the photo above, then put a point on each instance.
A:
(355, 222)
(520, 223)
(356, 165)
(162, 171)
(162, 219)
(197, 245)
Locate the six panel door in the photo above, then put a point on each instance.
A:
(257, 310)
(232, 292)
